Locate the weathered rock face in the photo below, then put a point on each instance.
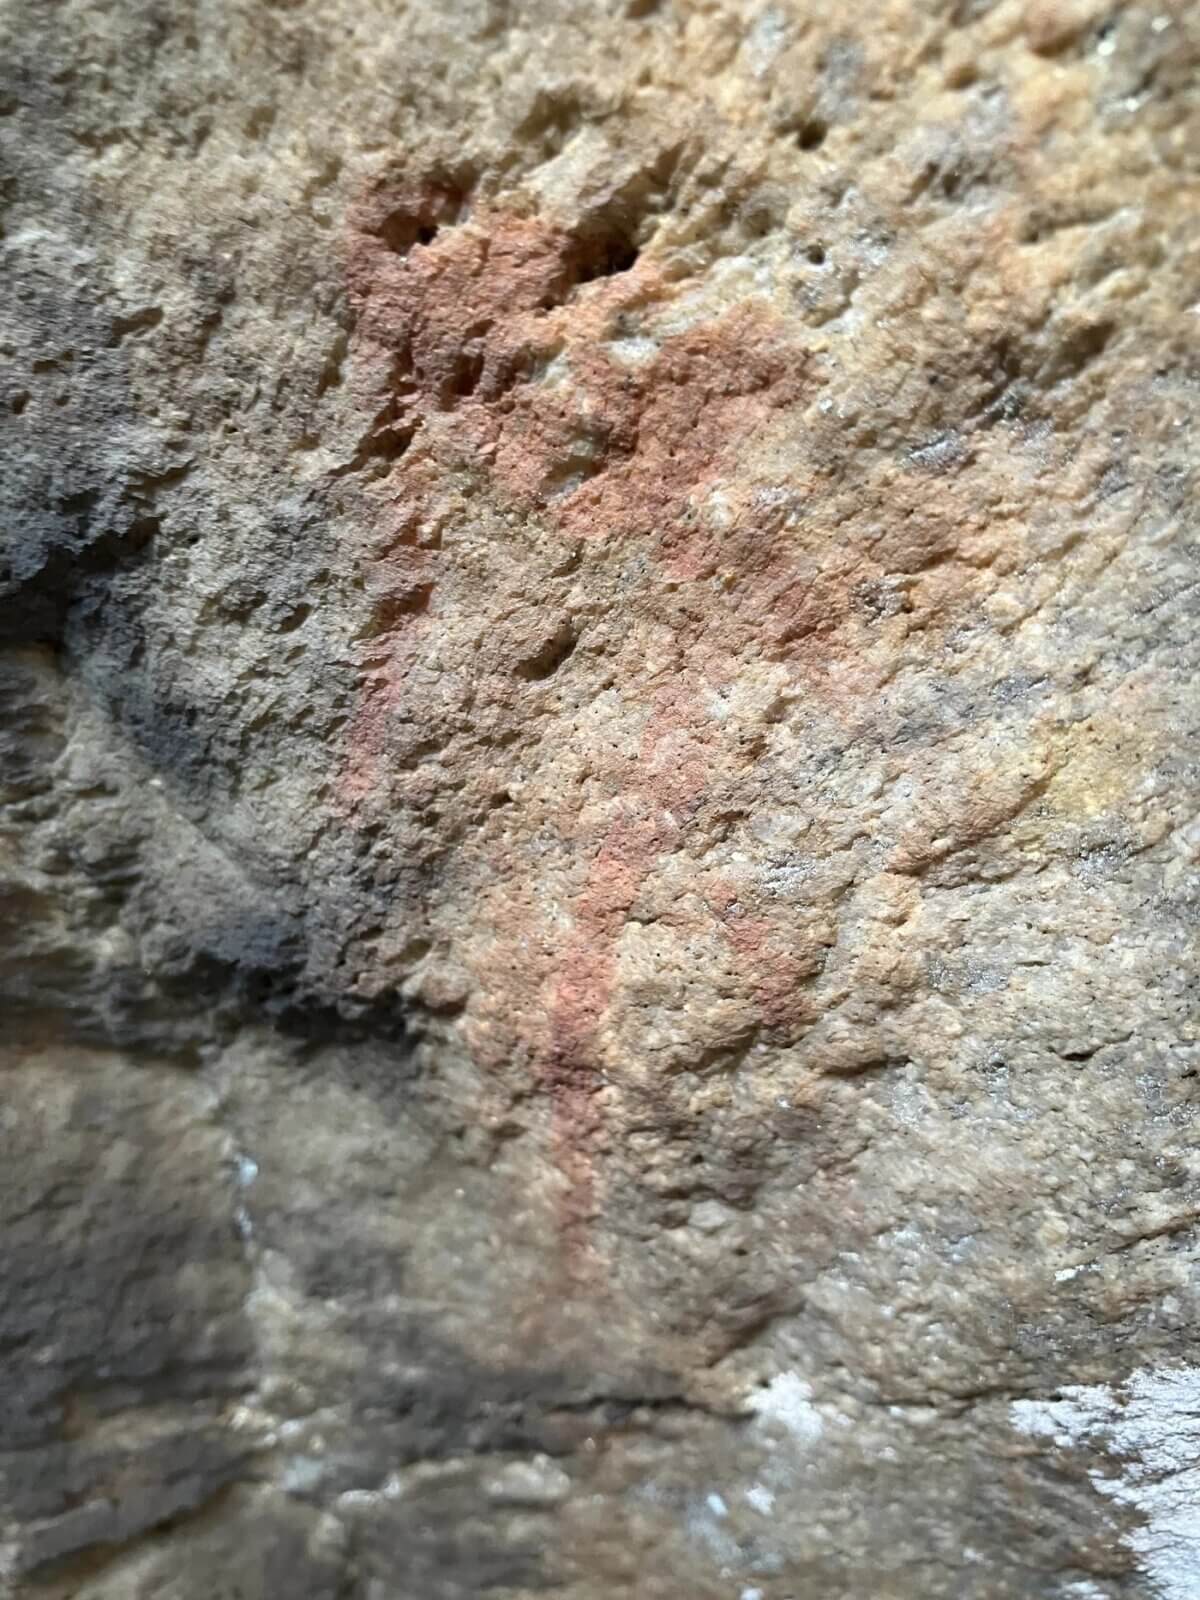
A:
(601, 794)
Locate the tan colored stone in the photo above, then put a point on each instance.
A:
(600, 801)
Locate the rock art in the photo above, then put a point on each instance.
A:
(601, 800)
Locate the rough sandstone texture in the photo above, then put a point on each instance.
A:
(600, 800)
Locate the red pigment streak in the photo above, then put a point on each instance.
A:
(466, 320)
(401, 589)
(581, 997)
(666, 781)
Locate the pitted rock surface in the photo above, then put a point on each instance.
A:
(601, 800)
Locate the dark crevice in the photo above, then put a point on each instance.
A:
(547, 660)
(236, 992)
(136, 322)
(617, 1410)
(465, 378)
(400, 231)
(331, 371)
(92, 1558)
(1077, 352)
(551, 120)
(605, 256)
(951, 178)
(295, 618)
(443, 203)
(602, 253)
(36, 607)
(570, 473)
(386, 443)
(392, 612)
(1003, 396)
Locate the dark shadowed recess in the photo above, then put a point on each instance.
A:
(85, 516)
(124, 1285)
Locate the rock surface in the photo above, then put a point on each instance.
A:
(601, 798)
